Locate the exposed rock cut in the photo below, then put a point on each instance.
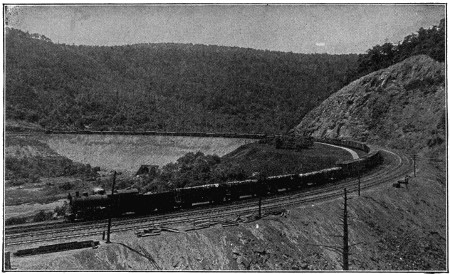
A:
(402, 106)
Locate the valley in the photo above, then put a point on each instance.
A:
(336, 107)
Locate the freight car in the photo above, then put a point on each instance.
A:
(358, 166)
(97, 206)
(213, 193)
(100, 205)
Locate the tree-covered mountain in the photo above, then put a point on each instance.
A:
(429, 42)
(170, 87)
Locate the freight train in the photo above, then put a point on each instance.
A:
(100, 205)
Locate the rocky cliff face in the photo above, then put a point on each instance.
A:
(402, 106)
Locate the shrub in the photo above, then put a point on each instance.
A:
(15, 220)
(435, 140)
(43, 216)
(61, 211)
(66, 186)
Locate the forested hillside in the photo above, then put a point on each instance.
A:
(168, 87)
(429, 42)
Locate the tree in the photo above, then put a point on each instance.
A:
(430, 42)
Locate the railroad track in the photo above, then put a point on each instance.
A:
(395, 166)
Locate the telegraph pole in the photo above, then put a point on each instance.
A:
(414, 159)
(359, 183)
(259, 205)
(261, 182)
(345, 249)
(111, 209)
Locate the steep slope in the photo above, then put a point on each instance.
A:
(402, 106)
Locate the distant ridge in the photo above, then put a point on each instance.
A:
(164, 87)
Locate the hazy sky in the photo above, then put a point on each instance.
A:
(297, 28)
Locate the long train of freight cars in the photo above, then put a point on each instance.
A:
(86, 207)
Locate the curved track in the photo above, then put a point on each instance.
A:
(394, 167)
(355, 155)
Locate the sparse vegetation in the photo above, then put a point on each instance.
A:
(32, 168)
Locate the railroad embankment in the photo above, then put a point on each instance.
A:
(394, 229)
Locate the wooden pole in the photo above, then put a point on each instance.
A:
(111, 206)
(260, 198)
(345, 249)
(261, 183)
(359, 184)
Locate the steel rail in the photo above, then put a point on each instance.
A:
(401, 167)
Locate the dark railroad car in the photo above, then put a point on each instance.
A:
(237, 189)
(321, 177)
(150, 202)
(124, 201)
(213, 193)
(354, 167)
(282, 182)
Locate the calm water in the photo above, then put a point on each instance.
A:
(128, 153)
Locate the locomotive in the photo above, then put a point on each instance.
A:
(100, 204)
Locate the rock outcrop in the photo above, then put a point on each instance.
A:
(402, 106)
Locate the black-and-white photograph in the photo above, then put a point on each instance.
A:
(225, 136)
